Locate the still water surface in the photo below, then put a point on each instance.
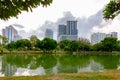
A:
(42, 64)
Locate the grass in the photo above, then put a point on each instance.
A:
(109, 75)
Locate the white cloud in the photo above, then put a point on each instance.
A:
(112, 26)
(79, 8)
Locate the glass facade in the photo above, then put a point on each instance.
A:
(97, 37)
(68, 31)
(10, 33)
(49, 33)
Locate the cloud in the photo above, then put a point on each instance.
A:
(85, 25)
(40, 32)
(18, 25)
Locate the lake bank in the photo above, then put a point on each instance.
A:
(62, 52)
(109, 75)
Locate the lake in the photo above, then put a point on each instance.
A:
(42, 64)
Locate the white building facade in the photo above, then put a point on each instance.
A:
(97, 37)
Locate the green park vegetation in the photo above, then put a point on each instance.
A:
(47, 45)
(110, 75)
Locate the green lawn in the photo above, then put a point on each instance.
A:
(111, 75)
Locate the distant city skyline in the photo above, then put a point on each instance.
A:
(98, 36)
(90, 18)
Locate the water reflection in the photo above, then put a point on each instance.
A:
(29, 65)
(108, 62)
(71, 63)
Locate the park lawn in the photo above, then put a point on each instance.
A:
(109, 75)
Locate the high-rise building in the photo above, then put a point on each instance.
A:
(71, 28)
(9, 32)
(108, 35)
(17, 37)
(61, 30)
(114, 34)
(97, 37)
(68, 31)
(49, 33)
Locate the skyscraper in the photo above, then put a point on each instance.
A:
(68, 31)
(9, 32)
(49, 33)
(114, 34)
(61, 30)
(71, 28)
(97, 37)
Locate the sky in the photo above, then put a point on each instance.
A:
(88, 13)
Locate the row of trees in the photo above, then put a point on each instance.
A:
(108, 44)
(34, 43)
(80, 45)
(48, 44)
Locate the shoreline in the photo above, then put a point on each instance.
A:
(63, 52)
(108, 75)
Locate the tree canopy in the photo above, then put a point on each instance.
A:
(112, 9)
(11, 8)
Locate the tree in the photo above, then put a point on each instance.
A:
(11, 46)
(47, 44)
(84, 44)
(112, 9)
(33, 40)
(97, 47)
(74, 46)
(118, 48)
(0, 40)
(65, 45)
(23, 44)
(4, 40)
(109, 44)
(12, 8)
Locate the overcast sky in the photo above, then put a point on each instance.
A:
(78, 9)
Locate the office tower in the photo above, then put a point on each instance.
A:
(108, 35)
(9, 32)
(68, 31)
(61, 30)
(71, 28)
(97, 37)
(49, 33)
(114, 34)
(17, 37)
